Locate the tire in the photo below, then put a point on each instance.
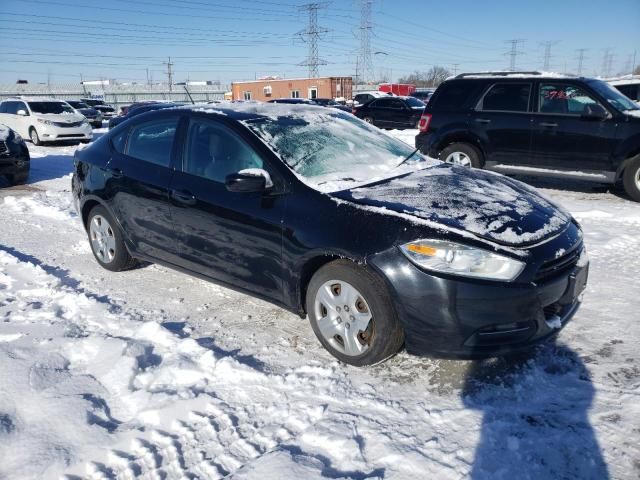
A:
(365, 296)
(631, 179)
(35, 138)
(468, 155)
(369, 120)
(18, 178)
(106, 241)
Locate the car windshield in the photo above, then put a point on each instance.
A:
(414, 102)
(333, 151)
(613, 96)
(50, 107)
(78, 105)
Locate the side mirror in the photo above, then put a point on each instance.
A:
(594, 111)
(22, 112)
(249, 180)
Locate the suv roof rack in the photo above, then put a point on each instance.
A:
(497, 74)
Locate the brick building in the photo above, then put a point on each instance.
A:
(264, 90)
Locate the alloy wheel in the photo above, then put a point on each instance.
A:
(459, 158)
(344, 318)
(103, 241)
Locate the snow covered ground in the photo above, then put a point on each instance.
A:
(154, 374)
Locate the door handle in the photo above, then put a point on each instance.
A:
(115, 172)
(548, 124)
(185, 198)
(482, 120)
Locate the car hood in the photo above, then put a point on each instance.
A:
(486, 204)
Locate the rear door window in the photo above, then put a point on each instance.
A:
(506, 97)
(153, 141)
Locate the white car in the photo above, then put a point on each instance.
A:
(44, 120)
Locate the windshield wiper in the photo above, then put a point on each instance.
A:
(408, 157)
(346, 179)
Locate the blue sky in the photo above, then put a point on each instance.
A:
(61, 40)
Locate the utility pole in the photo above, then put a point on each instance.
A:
(514, 52)
(311, 35)
(366, 30)
(581, 59)
(547, 54)
(170, 74)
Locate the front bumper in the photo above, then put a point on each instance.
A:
(462, 318)
(15, 160)
(50, 133)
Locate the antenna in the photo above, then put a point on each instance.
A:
(312, 34)
(514, 52)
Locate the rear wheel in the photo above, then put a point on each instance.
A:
(106, 241)
(352, 314)
(631, 179)
(368, 120)
(461, 154)
(33, 134)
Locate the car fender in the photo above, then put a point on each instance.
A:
(87, 202)
(627, 151)
(459, 132)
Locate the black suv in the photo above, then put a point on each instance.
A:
(529, 123)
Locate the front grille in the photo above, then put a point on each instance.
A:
(3, 148)
(68, 125)
(559, 265)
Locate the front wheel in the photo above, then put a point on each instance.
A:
(106, 241)
(35, 139)
(461, 154)
(369, 120)
(352, 314)
(631, 179)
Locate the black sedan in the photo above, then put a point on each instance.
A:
(14, 156)
(320, 213)
(137, 109)
(391, 112)
(91, 114)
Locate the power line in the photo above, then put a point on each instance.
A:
(514, 52)
(364, 61)
(311, 35)
(547, 54)
(581, 59)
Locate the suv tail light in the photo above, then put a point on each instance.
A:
(354, 110)
(425, 120)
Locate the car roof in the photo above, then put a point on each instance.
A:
(533, 75)
(32, 99)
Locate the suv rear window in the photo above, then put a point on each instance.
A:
(509, 97)
(455, 95)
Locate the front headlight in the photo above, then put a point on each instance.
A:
(457, 259)
(46, 122)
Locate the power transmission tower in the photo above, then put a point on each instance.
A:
(514, 52)
(366, 26)
(547, 54)
(607, 63)
(170, 74)
(311, 35)
(581, 59)
(455, 68)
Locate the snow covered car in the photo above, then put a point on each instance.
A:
(91, 114)
(44, 120)
(325, 215)
(14, 156)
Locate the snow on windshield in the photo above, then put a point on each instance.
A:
(332, 150)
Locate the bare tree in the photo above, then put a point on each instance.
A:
(431, 78)
(637, 70)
